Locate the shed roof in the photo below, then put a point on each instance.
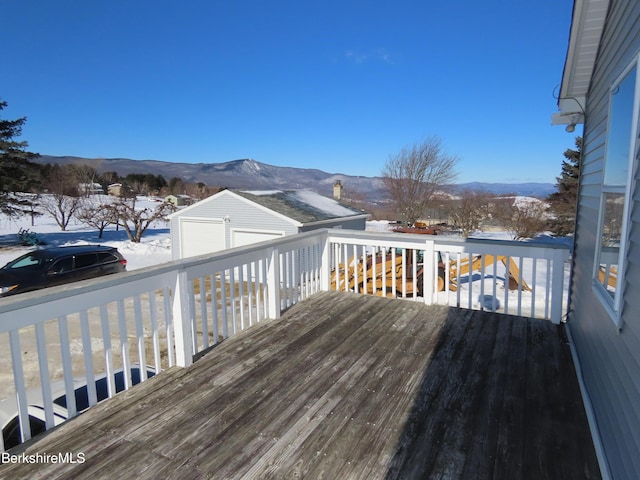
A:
(301, 206)
(304, 206)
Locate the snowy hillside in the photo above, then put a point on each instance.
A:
(254, 175)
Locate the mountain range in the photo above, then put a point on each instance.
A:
(253, 175)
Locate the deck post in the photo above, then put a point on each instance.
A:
(273, 283)
(182, 321)
(557, 288)
(325, 265)
(430, 266)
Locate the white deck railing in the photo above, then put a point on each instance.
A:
(162, 316)
(520, 278)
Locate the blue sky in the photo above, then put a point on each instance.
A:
(334, 85)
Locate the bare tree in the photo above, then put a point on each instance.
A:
(136, 220)
(469, 209)
(199, 190)
(415, 174)
(111, 177)
(139, 187)
(63, 200)
(176, 186)
(525, 217)
(61, 208)
(97, 216)
(33, 212)
(83, 175)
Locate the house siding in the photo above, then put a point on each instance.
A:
(610, 358)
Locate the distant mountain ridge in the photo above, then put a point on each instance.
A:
(253, 175)
(530, 189)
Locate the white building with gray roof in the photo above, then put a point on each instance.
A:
(233, 218)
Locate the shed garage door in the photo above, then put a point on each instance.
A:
(241, 237)
(198, 236)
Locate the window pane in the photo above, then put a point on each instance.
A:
(86, 260)
(28, 261)
(63, 265)
(619, 141)
(104, 257)
(613, 204)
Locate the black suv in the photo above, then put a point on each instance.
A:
(59, 265)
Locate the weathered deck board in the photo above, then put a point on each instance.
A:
(346, 386)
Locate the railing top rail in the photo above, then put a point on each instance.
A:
(65, 292)
(445, 240)
(162, 273)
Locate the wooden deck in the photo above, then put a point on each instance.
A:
(346, 386)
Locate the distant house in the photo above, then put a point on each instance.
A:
(601, 88)
(114, 189)
(90, 189)
(236, 218)
(178, 200)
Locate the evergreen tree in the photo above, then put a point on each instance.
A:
(562, 203)
(17, 173)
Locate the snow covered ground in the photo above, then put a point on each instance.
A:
(154, 248)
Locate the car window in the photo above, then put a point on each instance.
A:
(27, 261)
(82, 394)
(106, 257)
(62, 265)
(11, 432)
(86, 260)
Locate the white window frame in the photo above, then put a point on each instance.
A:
(613, 305)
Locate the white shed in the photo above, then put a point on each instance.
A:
(233, 218)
